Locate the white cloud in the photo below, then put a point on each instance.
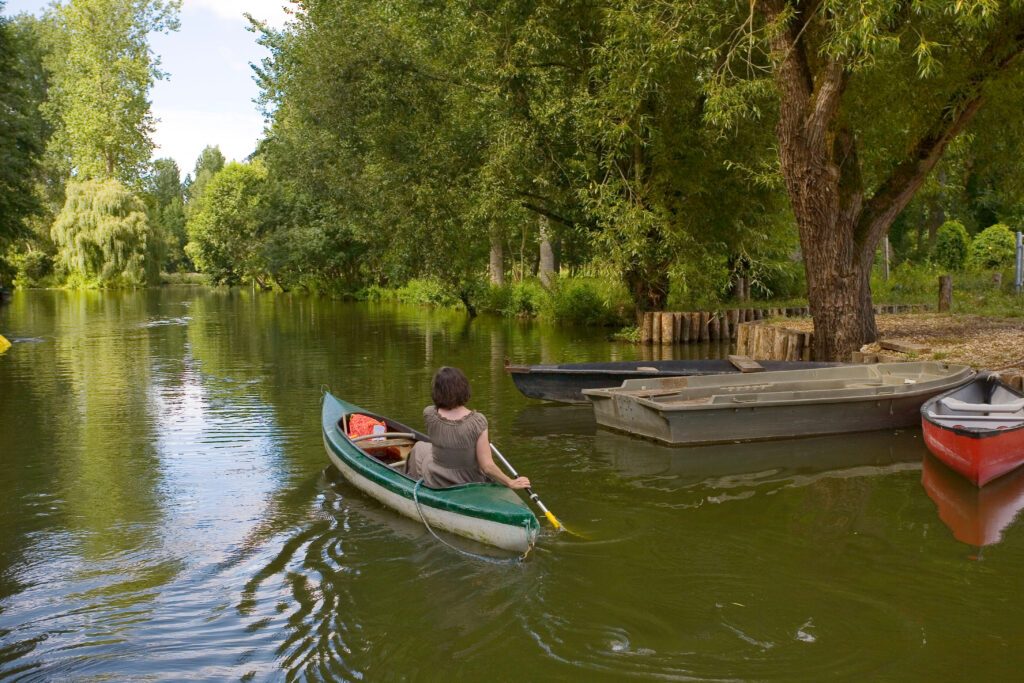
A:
(183, 133)
(271, 11)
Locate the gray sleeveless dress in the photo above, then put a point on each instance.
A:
(450, 458)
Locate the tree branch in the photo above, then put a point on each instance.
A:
(830, 87)
(893, 195)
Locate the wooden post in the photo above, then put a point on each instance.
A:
(702, 326)
(945, 292)
(779, 344)
(677, 327)
(656, 329)
(741, 340)
(684, 328)
(646, 328)
(808, 346)
(667, 328)
(797, 347)
(714, 326)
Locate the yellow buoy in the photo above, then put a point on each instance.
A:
(4, 344)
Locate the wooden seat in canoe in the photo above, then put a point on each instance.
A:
(966, 407)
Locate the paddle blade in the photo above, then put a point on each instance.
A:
(554, 520)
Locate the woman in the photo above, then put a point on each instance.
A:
(460, 450)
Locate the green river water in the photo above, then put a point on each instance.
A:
(167, 512)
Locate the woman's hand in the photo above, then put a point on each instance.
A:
(520, 483)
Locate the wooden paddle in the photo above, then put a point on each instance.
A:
(533, 496)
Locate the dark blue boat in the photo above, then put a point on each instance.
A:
(565, 383)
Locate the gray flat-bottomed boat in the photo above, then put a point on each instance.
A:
(775, 405)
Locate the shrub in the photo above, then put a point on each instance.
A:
(32, 267)
(576, 302)
(525, 298)
(426, 291)
(992, 248)
(951, 245)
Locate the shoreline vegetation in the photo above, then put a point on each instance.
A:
(984, 328)
(576, 164)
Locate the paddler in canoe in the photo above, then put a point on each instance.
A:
(460, 449)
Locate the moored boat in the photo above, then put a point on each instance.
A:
(977, 429)
(565, 383)
(488, 513)
(775, 405)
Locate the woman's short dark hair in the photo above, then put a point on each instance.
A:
(450, 388)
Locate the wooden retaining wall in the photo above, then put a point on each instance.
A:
(688, 327)
(770, 342)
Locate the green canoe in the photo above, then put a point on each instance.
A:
(489, 513)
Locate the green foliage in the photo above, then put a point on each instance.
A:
(581, 301)
(209, 164)
(951, 245)
(229, 231)
(167, 213)
(523, 298)
(992, 248)
(31, 268)
(23, 133)
(103, 236)
(102, 69)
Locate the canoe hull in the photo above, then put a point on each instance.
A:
(487, 513)
(979, 452)
(731, 409)
(566, 383)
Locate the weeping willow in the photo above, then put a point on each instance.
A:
(103, 235)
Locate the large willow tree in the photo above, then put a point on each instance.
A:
(103, 234)
(870, 95)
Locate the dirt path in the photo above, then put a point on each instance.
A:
(989, 343)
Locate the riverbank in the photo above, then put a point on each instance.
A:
(990, 343)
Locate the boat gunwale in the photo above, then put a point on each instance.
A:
(506, 512)
(659, 406)
(980, 431)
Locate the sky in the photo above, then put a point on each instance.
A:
(208, 97)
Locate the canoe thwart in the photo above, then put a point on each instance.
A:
(966, 407)
(383, 435)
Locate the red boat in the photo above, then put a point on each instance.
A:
(977, 429)
(976, 516)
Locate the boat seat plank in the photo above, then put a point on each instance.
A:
(965, 407)
(746, 364)
(958, 419)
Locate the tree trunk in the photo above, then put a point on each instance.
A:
(648, 288)
(497, 263)
(546, 269)
(839, 226)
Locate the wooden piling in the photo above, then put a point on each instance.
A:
(668, 328)
(646, 325)
(945, 293)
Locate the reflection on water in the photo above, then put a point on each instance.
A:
(976, 516)
(166, 513)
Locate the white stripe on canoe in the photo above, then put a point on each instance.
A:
(505, 536)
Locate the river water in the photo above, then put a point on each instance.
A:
(167, 512)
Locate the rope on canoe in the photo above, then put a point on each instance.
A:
(475, 556)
